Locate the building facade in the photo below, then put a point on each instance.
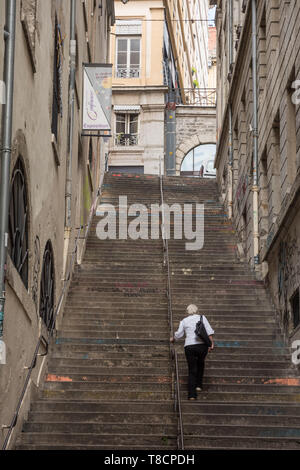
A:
(258, 159)
(212, 57)
(159, 56)
(55, 174)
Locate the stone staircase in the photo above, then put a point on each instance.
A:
(251, 394)
(109, 380)
(109, 383)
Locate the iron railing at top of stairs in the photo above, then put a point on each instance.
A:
(45, 341)
(173, 352)
(201, 97)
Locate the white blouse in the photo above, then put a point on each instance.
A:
(188, 325)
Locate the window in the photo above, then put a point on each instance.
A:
(264, 193)
(47, 287)
(127, 129)
(57, 82)
(202, 156)
(295, 309)
(276, 183)
(18, 222)
(128, 57)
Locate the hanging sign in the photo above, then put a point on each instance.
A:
(97, 98)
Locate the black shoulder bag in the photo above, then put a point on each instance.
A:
(201, 332)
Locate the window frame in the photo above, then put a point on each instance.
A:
(129, 138)
(47, 287)
(18, 233)
(296, 295)
(57, 99)
(129, 67)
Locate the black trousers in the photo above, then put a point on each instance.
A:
(195, 356)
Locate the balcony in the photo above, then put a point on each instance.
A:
(126, 140)
(204, 97)
(128, 72)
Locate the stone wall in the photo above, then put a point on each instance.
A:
(45, 173)
(278, 59)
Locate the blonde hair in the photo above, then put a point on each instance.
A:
(192, 309)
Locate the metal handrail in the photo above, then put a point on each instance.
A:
(204, 97)
(42, 339)
(173, 352)
(126, 140)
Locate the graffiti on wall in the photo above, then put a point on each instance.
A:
(288, 274)
(36, 271)
(241, 191)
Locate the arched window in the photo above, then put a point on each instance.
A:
(47, 287)
(202, 156)
(18, 222)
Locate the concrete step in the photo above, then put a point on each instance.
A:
(100, 428)
(114, 395)
(73, 322)
(240, 431)
(109, 381)
(248, 397)
(155, 386)
(105, 417)
(100, 441)
(241, 442)
(232, 409)
(84, 353)
(63, 368)
(129, 407)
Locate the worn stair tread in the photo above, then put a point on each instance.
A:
(102, 378)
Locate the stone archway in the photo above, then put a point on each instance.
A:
(194, 126)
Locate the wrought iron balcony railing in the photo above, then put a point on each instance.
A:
(128, 72)
(204, 97)
(126, 140)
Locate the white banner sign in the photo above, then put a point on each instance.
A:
(97, 97)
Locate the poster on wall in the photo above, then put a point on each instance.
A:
(97, 99)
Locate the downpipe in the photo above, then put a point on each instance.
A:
(68, 216)
(255, 188)
(6, 149)
(69, 164)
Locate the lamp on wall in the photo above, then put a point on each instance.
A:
(125, 1)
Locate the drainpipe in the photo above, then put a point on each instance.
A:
(171, 134)
(230, 57)
(255, 188)
(68, 220)
(9, 62)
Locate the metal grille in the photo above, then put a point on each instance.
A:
(18, 222)
(126, 140)
(57, 85)
(128, 72)
(204, 97)
(47, 287)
